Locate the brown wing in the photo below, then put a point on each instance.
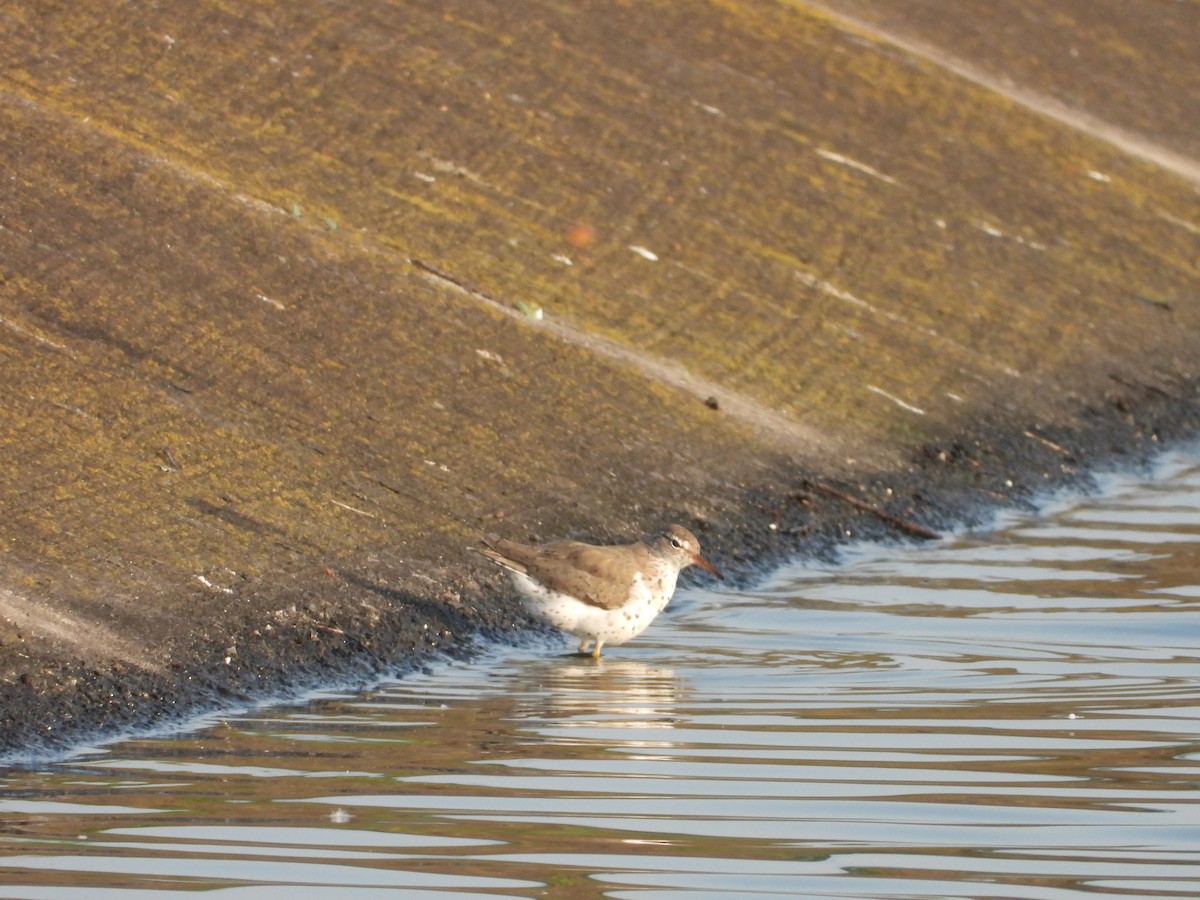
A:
(599, 576)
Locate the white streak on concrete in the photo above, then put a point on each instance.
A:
(908, 406)
(275, 303)
(856, 165)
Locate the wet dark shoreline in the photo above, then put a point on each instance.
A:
(945, 487)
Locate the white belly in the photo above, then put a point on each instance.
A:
(610, 626)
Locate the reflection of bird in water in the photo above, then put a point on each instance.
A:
(612, 694)
(602, 595)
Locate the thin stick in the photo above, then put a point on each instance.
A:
(907, 525)
(1049, 443)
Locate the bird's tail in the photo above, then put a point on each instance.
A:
(491, 550)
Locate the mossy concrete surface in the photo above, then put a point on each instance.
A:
(1129, 68)
(296, 299)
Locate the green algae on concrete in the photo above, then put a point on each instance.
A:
(243, 445)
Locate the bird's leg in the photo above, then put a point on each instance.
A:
(596, 649)
(583, 646)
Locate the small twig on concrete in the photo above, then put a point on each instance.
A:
(1049, 443)
(353, 509)
(463, 286)
(1140, 386)
(907, 525)
(169, 457)
(350, 638)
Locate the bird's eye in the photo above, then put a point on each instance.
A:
(675, 543)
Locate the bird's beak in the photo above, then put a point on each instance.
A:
(705, 564)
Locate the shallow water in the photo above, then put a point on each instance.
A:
(1005, 715)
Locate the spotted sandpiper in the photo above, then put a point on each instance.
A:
(602, 595)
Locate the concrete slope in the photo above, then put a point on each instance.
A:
(297, 298)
